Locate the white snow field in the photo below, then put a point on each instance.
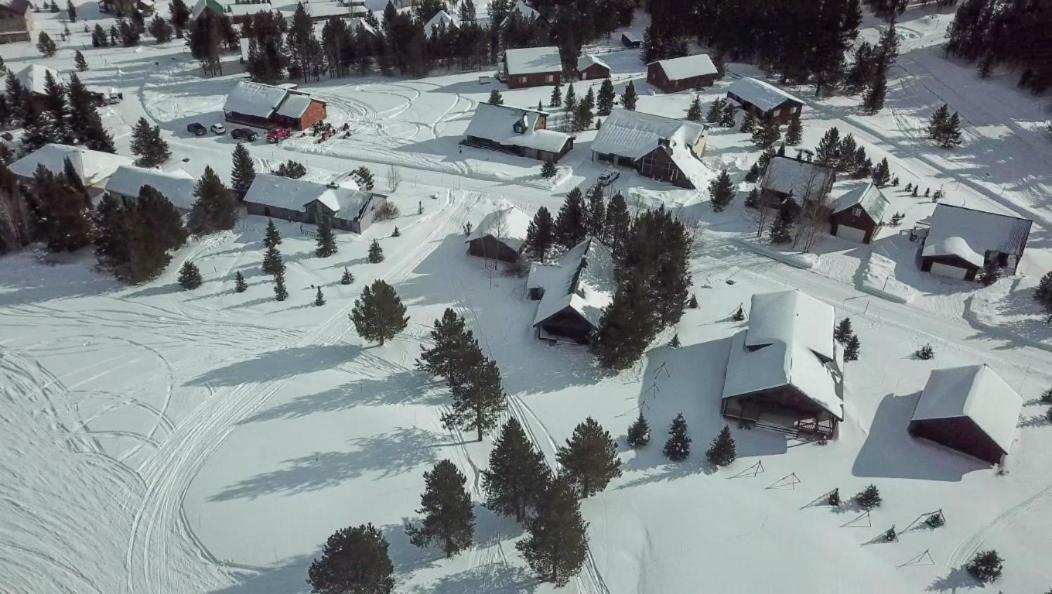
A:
(165, 441)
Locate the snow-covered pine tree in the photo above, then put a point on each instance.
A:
(618, 222)
(376, 253)
(80, 62)
(478, 400)
(629, 97)
(148, 145)
(582, 114)
(694, 111)
(739, 314)
(728, 115)
(604, 101)
(570, 99)
(721, 191)
(795, 133)
(557, 542)
(449, 355)
(353, 560)
(539, 234)
(596, 212)
(364, 177)
(215, 208)
(639, 432)
(495, 98)
(625, 328)
(272, 261)
(517, 476)
(715, 111)
(677, 448)
(189, 276)
(882, 173)
(749, 125)
(721, 452)
(347, 277)
(239, 282)
(280, 292)
(571, 222)
(868, 498)
(873, 100)
(446, 507)
(244, 170)
(319, 298)
(589, 458)
(46, 45)
(556, 99)
(781, 232)
(843, 331)
(950, 135)
(379, 315)
(693, 302)
(852, 349)
(271, 237)
(828, 151)
(753, 174)
(548, 169)
(326, 240)
(937, 122)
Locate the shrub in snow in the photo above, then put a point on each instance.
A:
(347, 277)
(376, 253)
(353, 560)
(924, 353)
(852, 349)
(189, 276)
(834, 498)
(890, 535)
(387, 211)
(239, 282)
(693, 303)
(868, 498)
(290, 168)
(446, 506)
(739, 315)
(986, 566)
(396, 233)
(319, 299)
(1043, 294)
(674, 343)
(843, 332)
(896, 219)
(935, 520)
(639, 432)
(548, 169)
(379, 315)
(721, 452)
(589, 458)
(280, 292)
(677, 448)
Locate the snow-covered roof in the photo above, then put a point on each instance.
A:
(497, 123)
(633, 134)
(789, 342)
(254, 99)
(687, 66)
(177, 185)
(246, 9)
(582, 280)
(15, 6)
(441, 19)
(587, 60)
(524, 10)
(507, 224)
(293, 194)
(533, 60)
(977, 393)
(34, 76)
(215, 6)
(869, 197)
(324, 10)
(761, 94)
(356, 21)
(969, 234)
(92, 166)
(294, 105)
(799, 178)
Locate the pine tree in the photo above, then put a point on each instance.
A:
(99, 37)
(495, 98)
(570, 99)
(326, 241)
(721, 191)
(868, 498)
(625, 328)
(639, 432)
(376, 253)
(605, 99)
(950, 135)
(715, 111)
(694, 111)
(589, 458)
(677, 448)
(986, 566)
(1043, 293)
(46, 45)
(873, 100)
(728, 115)
(517, 476)
(618, 222)
(271, 237)
(55, 99)
(71, 11)
(244, 170)
(379, 315)
(272, 261)
(365, 177)
(853, 349)
(215, 208)
(721, 452)
(753, 174)
(446, 507)
(353, 560)
(781, 231)
(453, 349)
(571, 222)
(937, 122)
(548, 169)
(291, 169)
(189, 276)
(539, 234)
(629, 97)
(478, 400)
(828, 151)
(347, 277)
(843, 331)
(280, 292)
(557, 541)
(749, 124)
(795, 133)
(148, 145)
(80, 62)
(582, 114)
(239, 282)
(319, 298)
(596, 212)
(556, 99)
(882, 173)
(160, 29)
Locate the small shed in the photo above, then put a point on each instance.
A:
(969, 409)
(859, 214)
(532, 66)
(590, 67)
(764, 100)
(631, 39)
(962, 241)
(572, 292)
(678, 74)
(500, 235)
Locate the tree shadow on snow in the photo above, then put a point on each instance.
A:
(493, 577)
(891, 452)
(957, 579)
(289, 577)
(280, 364)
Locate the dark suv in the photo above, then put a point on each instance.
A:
(197, 129)
(244, 134)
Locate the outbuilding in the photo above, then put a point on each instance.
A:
(176, 185)
(532, 67)
(961, 241)
(969, 409)
(765, 101)
(16, 20)
(794, 182)
(859, 214)
(268, 106)
(517, 130)
(591, 67)
(657, 147)
(631, 40)
(500, 235)
(678, 74)
(343, 204)
(572, 292)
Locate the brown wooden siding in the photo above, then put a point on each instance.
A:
(958, 433)
(595, 71)
(658, 165)
(860, 220)
(781, 114)
(656, 77)
(539, 79)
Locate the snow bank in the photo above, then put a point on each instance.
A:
(792, 258)
(877, 277)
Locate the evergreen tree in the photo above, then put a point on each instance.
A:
(517, 476)
(46, 45)
(215, 208)
(715, 111)
(950, 135)
(794, 134)
(852, 349)
(326, 241)
(986, 566)
(589, 459)
(379, 315)
(353, 560)
(571, 222)
(694, 111)
(728, 115)
(618, 222)
(873, 100)
(1043, 293)
(868, 498)
(629, 97)
(570, 99)
(239, 282)
(781, 231)
(376, 253)
(446, 507)
(478, 401)
(319, 298)
(495, 98)
(79, 61)
(189, 276)
(843, 331)
(721, 191)
(148, 145)
(347, 277)
(828, 151)
(556, 99)
(937, 122)
(596, 212)
(749, 125)
(271, 237)
(280, 292)
(244, 171)
(882, 173)
(540, 234)
(60, 210)
(365, 177)
(55, 99)
(605, 99)
(557, 541)
(625, 328)
(71, 11)
(548, 169)
(291, 169)
(677, 448)
(454, 349)
(753, 175)
(99, 37)
(639, 432)
(582, 114)
(160, 29)
(721, 452)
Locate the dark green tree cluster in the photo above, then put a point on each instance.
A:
(721, 191)
(868, 498)
(721, 452)
(147, 144)
(215, 208)
(353, 559)
(945, 128)
(189, 276)
(846, 336)
(291, 169)
(133, 238)
(1012, 33)
(60, 209)
(378, 314)
(243, 172)
(67, 114)
(589, 458)
(209, 35)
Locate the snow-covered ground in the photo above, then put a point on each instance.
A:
(157, 440)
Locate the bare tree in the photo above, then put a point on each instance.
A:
(393, 178)
(814, 213)
(764, 209)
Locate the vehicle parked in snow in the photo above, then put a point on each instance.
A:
(197, 129)
(608, 177)
(244, 134)
(278, 134)
(218, 128)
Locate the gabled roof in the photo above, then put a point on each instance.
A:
(789, 343)
(582, 280)
(294, 105)
(800, 178)
(497, 123)
(869, 197)
(587, 60)
(177, 185)
(92, 166)
(507, 224)
(969, 234)
(633, 134)
(214, 6)
(293, 194)
(441, 18)
(524, 10)
(761, 94)
(533, 60)
(975, 392)
(687, 66)
(34, 76)
(263, 101)
(15, 6)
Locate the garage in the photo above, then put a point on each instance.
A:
(954, 272)
(851, 233)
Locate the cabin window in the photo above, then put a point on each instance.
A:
(522, 79)
(549, 78)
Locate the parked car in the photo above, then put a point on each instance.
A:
(197, 129)
(607, 177)
(278, 134)
(218, 128)
(244, 134)
(485, 79)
